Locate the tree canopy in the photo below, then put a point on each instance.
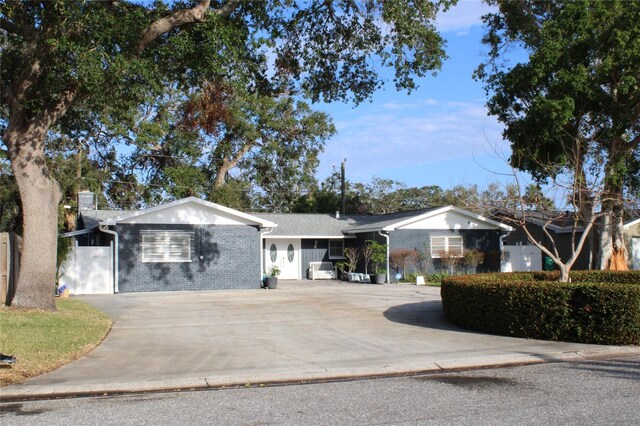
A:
(77, 68)
(574, 103)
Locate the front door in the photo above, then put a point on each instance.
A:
(285, 254)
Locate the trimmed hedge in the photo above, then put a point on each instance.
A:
(601, 307)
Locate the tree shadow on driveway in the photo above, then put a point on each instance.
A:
(427, 314)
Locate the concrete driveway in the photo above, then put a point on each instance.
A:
(301, 331)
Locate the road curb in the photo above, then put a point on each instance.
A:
(44, 392)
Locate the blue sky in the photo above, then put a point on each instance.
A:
(440, 134)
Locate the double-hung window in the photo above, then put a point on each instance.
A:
(336, 249)
(166, 246)
(446, 246)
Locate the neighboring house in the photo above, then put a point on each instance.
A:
(560, 230)
(191, 244)
(631, 231)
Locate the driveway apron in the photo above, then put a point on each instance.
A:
(300, 331)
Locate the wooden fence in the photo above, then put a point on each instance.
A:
(9, 266)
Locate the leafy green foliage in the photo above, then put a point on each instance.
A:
(378, 255)
(600, 307)
(105, 72)
(574, 103)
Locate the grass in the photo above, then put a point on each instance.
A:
(43, 341)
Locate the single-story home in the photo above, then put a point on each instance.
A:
(191, 244)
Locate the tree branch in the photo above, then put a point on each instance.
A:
(57, 110)
(183, 17)
(27, 32)
(228, 164)
(9, 26)
(14, 94)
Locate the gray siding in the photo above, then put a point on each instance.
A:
(230, 260)
(486, 241)
(311, 254)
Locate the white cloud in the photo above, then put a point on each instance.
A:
(462, 17)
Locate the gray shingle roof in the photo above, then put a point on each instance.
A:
(367, 222)
(326, 225)
(303, 224)
(299, 224)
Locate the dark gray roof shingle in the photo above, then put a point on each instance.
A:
(307, 224)
(326, 225)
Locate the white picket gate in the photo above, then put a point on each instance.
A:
(89, 270)
(521, 258)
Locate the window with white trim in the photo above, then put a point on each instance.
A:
(166, 246)
(446, 246)
(336, 249)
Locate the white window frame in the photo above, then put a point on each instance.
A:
(447, 240)
(339, 244)
(166, 247)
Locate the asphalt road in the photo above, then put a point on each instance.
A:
(596, 392)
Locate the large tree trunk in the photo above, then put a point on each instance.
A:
(605, 239)
(612, 251)
(619, 255)
(40, 196)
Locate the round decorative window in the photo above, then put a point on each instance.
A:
(273, 253)
(290, 253)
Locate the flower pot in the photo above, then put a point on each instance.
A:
(380, 278)
(271, 282)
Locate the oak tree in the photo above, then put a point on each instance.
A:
(66, 64)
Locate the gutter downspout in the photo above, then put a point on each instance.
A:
(116, 285)
(386, 236)
(262, 265)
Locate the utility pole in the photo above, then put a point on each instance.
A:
(342, 186)
(78, 168)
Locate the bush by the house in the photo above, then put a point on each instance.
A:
(403, 259)
(601, 307)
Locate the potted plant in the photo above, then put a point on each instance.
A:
(365, 252)
(343, 268)
(352, 255)
(271, 280)
(379, 259)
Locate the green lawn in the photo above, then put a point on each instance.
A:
(43, 341)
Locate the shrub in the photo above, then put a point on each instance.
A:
(401, 259)
(472, 258)
(436, 277)
(600, 307)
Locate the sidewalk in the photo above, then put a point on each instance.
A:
(303, 331)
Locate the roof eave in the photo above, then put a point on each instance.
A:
(253, 220)
(631, 223)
